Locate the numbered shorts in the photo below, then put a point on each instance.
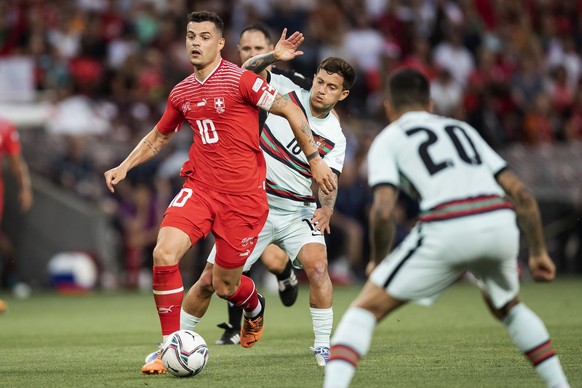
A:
(290, 230)
(234, 220)
(436, 254)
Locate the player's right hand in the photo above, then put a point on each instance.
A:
(113, 177)
(542, 268)
(322, 175)
(286, 48)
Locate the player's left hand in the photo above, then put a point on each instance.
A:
(321, 218)
(286, 48)
(322, 175)
(542, 268)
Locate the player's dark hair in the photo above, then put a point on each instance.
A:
(207, 16)
(334, 65)
(258, 27)
(408, 87)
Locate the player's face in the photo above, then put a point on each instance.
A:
(203, 43)
(253, 43)
(327, 90)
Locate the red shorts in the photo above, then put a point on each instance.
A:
(234, 220)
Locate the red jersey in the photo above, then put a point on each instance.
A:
(222, 111)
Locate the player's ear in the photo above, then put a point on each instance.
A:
(388, 109)
(220, 43)
(344, 94)
(430, 105)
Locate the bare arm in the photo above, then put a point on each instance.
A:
(529, 218)
(285, 50)
(322, 216)
(145, 150)
(19, 170)
(382, 223)
(321, 172)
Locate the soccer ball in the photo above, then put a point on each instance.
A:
(184, 353)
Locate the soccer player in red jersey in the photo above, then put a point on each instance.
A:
(224, 191)
(10, 146)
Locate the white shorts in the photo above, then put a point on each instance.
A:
(436, 254)
(289, 230)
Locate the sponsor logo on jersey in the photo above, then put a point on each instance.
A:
(219, 104)
(202, 103)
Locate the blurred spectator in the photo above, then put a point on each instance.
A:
(560, 91)
(451, 55)
(527, 84)
(485, 118)
(573, 126)
(74, 169)
(447, 94)
(540, 122)
(140, 212)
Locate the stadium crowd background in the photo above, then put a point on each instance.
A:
(512, 69)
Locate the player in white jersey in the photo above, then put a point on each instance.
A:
(466, 224)
(295, 224)
(255, 39)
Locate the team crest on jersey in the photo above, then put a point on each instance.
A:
(219, 104)
(246, 241)
(185, 107)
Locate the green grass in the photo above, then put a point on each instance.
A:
(50, 340)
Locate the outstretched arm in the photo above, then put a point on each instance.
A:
(285, 50)
(146, 149)
(528, 215)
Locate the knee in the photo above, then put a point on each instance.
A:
(316, 270)
(204, 284)
(162, 255)
(223, 289)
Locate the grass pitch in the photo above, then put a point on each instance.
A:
(51, 340)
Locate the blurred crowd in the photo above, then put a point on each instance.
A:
(510, 68)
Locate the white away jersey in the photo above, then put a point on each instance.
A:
(439, 159)
(288, 174)
(283, 84)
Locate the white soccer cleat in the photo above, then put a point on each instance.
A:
(321, 354)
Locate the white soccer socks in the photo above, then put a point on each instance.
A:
(350, 342)
(531, 337)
